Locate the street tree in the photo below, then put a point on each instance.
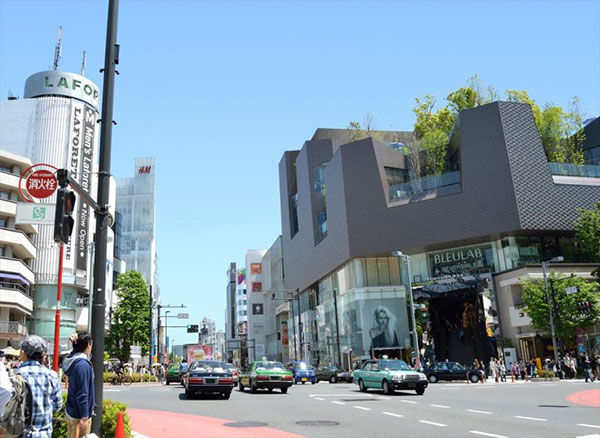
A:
(568, 314)
(587, 228)
(131, 319)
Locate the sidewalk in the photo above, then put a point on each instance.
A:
(160, 424)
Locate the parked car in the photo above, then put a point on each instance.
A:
(303, 372)
(266, 374)
(389, 375)
(173, 374)
(234, 371)
(208, 376)
(332, 374)
(450, 371)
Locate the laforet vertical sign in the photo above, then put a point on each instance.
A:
(461, 261)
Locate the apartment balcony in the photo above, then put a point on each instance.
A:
(23, 248)
(16, 296)
(12, 330)
(17, 266)
(9, 181)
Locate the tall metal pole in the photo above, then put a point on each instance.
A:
(337, 327)
(294, 329)
(412, 314)
(111, 58)
(151, 349)
(56, 354)
(544, 268)
(299, 324)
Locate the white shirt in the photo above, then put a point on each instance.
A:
(6, 388)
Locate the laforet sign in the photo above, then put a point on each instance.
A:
(58, 83)
(460, 261)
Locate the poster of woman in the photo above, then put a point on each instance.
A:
(383, 332)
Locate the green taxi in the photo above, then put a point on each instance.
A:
(389, 375)
(265, 374)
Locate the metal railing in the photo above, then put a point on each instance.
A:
(16, 286)
(424, 184)
(13, 328)
(568, 169)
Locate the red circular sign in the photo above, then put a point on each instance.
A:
(41, 184)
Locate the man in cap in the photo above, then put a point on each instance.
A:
(44, 384)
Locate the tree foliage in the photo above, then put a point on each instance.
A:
(587, 228)
(131, 319)
(365, 129)
(569, 317)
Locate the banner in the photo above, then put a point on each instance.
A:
(284, 334)
(199, 352)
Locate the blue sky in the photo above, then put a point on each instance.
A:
(217, 91)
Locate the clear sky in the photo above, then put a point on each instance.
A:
(217, 91)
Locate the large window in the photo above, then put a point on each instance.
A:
(320, 189)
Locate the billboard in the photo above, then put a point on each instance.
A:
(199, 352)
(60, 83)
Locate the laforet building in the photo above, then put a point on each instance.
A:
(498, 209)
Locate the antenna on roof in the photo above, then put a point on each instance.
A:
(83, 64)
(58, 49)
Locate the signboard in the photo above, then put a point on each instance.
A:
(199, 352)
(258, 309)
(571, 290)
(284, 334)
(461, 261)
(182, 316)
(38, 182)
(35, 214)
(256, 286)
(135, 350)
(58, 83)
(255, 268)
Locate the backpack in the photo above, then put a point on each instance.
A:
(17, 416)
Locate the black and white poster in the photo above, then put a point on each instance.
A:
(384, 323)
(258, 309)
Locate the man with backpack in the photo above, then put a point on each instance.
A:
(80, 395)
(43, 387)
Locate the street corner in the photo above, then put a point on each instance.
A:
(161, 424)
(589, 398)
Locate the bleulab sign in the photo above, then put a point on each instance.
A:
(58, 83)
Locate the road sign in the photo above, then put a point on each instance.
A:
(38, 181)
(182, 316)
(571, 290)
(35, 214)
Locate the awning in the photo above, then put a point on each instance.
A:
(14, 277)
(441, 290)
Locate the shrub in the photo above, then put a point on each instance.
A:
(136, 377)
(547, 374)
(110, 413)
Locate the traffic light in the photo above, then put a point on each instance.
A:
(584, 306)
(192, 328)
(63, 218)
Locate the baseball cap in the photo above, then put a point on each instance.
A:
(33, 344)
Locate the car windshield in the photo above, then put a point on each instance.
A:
(393, 365)
(207, 365)
(271, 366)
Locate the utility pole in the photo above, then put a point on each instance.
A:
(151, 349)
(337, 327)
(299, 324)
(544, 269)
(111, 59)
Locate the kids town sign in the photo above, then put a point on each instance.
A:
(58, 83)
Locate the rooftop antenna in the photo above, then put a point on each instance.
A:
(58, 49)
(83, 64)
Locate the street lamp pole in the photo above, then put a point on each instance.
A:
(166, 336)
(337, 327)
(550, 310)
(415, 337)
(299, 325)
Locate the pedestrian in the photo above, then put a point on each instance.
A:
(523, 370)
(502, 370)
(44, 386)
(80, 395)
(514, 371)
(481, 372)
(587, 368)
(6, 388)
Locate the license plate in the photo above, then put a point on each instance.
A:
(304, 379)
(274, 377)
(412, 385)
(210, 380)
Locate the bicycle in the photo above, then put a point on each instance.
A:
(121, 379)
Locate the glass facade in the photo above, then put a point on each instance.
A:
(320, 189)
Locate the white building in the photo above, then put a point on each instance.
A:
(17, 253)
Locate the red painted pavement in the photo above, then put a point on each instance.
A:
(590, 398)
(161, 424)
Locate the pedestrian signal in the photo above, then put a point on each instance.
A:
(192, 328)
(63, 218)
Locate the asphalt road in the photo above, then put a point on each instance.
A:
(538, 409)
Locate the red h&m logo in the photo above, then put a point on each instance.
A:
(144, 169)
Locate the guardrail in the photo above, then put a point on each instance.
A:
(568, 169)
(424, 184)
(8, 285)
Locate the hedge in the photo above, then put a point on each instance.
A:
(136, 377)
(110, 412)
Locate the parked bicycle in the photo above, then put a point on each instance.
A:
(122, 379)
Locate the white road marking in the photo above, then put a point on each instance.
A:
(361, 407)
(341, 394)
(338, 403)
(318, 398)
(112, 390)
(392, 414)
(476, 432)
(409, 401)
(440, 406)
(432, 423)
(529, 418)
(588, 425)
(384, 398)
(595, 435)
(475, 411)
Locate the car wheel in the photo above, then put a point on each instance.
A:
(303, 383)
(270, 389)
(168, 383)
(240, 386)
(253, 387)
(313, 382)
(226, 395)
(433, 378)
(332, 379)
(387, 388)
(362, 386)
(474, 378)
(284, 390)
(420, 391)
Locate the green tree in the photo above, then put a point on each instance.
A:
(131, 319)
(569, 316)
(587, 228)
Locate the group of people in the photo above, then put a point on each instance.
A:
(43, 386)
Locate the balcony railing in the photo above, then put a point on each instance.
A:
(12, 328)
(424, 184)
(16, 286)
(568, 169)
